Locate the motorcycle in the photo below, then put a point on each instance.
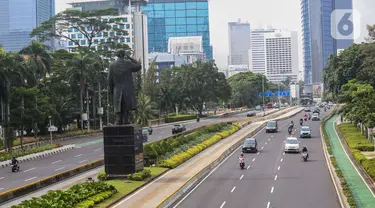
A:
(290, 131)
(15, 168)
(305, 119)
(300, 123)
(304, 156)
(242, 163)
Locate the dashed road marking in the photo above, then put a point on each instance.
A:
(78, 155)
(278, 168)
(233, 189)
(266, 143)
(29, 179)
(29, 170)
(97, 149)
(283, 153)
(248, 167)
(272, 189)
(254, 158)
(275, 177)
(268, 204)
(82, 161)
(281, 159)
(222, 205)
(262, 148)
(101, 155)
(59, 169)
(56, 162)
(258, 153)
(241, 177)
(1, 189)
(1, 178)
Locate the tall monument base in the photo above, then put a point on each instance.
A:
(123, 150)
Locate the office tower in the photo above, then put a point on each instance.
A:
(281, 55)
(239, 43)
(90, 5)
(190, 47)
(257, 50)
(19, 18)
(177, 18)
(318, 43)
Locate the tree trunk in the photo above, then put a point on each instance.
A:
(94, 108)
(88, 107)
(8, 132)
(81, 107)
(100, 105)
(22, 117)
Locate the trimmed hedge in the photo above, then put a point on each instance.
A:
(181, 157)
(345, 187)
(358, 143)
(19, 153)
(164, 149)
(82, 195)
(177, 118)
(354, 138)
(138, 176)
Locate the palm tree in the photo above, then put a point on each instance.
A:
(78, 71)
(144, 111)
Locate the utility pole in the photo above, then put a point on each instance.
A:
(279, 95)
(264, 113)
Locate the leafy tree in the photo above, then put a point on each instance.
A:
(89, 23)
(143, 113)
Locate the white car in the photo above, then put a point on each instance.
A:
(291, 145)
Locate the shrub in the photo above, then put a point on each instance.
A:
(354, 138)
(140, 175)
(177, 118)
(96, 199)
(150, 152)
(102, 176)
(19, 153)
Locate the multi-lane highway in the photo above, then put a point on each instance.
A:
(271, 177)
(87, 149)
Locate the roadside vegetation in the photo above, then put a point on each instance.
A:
(19, 153)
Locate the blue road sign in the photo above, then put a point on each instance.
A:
(268, 94)
(276, 93)
(286, 93)
(260, 94)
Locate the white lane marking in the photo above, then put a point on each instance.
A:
(97, 149)
(265, 144)
(232, 189)
(222, 205)
(269, 139)
(56, 162)
(82, 161)
(1, 189)
(29, 170)
(281, 159)
(262, 148)
(160, 137)
(272, 189)
(268, 204)
(235, 151)
(30, 179)
(253, 159)
(241, 177)
(271, 135)
(101, 155)
(275, 177)
(278, 168)
(59, 169)
(258, 153)
(248, 167)
(1, 178)
(78, 155)
(283, 153)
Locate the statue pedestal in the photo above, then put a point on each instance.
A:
(123, 150)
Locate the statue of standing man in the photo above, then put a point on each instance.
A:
(121, 86)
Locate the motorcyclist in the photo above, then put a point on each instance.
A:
(309, 116)
(291, 125)
(301, 121)
(304, 150)
(14, 161)
(242, 157)
(198, 118)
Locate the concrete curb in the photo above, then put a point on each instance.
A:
(331, 169)
(193, 181)
(38, 155)
(17, 192)
(365, 177)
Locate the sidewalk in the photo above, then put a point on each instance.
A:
(160, 189)
(361, 193)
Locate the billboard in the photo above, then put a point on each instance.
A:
(317, 90)
(294, 90)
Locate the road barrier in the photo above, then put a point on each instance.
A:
(17, 192)
(193, 181)
(38, 155)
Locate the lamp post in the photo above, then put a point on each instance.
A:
(50, 128)
(264, 113)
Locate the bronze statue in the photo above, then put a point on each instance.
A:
(121, 86)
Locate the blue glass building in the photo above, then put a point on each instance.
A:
(19, 18)
(177, 18)
(318, 43)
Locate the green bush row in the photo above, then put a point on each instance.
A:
(19, 153)
(346, 190)
(177, 118)
(354, 138)
(71, 197)
(96, 199)
(138, 176)
(163, 148)
(181, 157)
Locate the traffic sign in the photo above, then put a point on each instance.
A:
(52, 128)
(268, 94)
(276, 93)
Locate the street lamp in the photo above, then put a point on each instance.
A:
(50, 128)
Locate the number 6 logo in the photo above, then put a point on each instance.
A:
(342, 24)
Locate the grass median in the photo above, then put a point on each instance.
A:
(19, 153)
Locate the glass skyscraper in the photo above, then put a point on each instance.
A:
(19, 18)
(318, 43)
(177, 18)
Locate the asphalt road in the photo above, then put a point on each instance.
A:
(272, 179)
(87, 149)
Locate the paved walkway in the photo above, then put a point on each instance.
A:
(152, 194)
(361, 193)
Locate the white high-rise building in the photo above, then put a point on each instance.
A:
(239, 43)
(257, 52)
(281, 55)
(189, 46)
(235, 69)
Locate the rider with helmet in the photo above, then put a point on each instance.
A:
(304, 149)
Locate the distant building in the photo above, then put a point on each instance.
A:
(239, 43)
(281, 55)
(190, 47)
(19, 18)
(165, 61)
(257, 50)
(235, 69)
